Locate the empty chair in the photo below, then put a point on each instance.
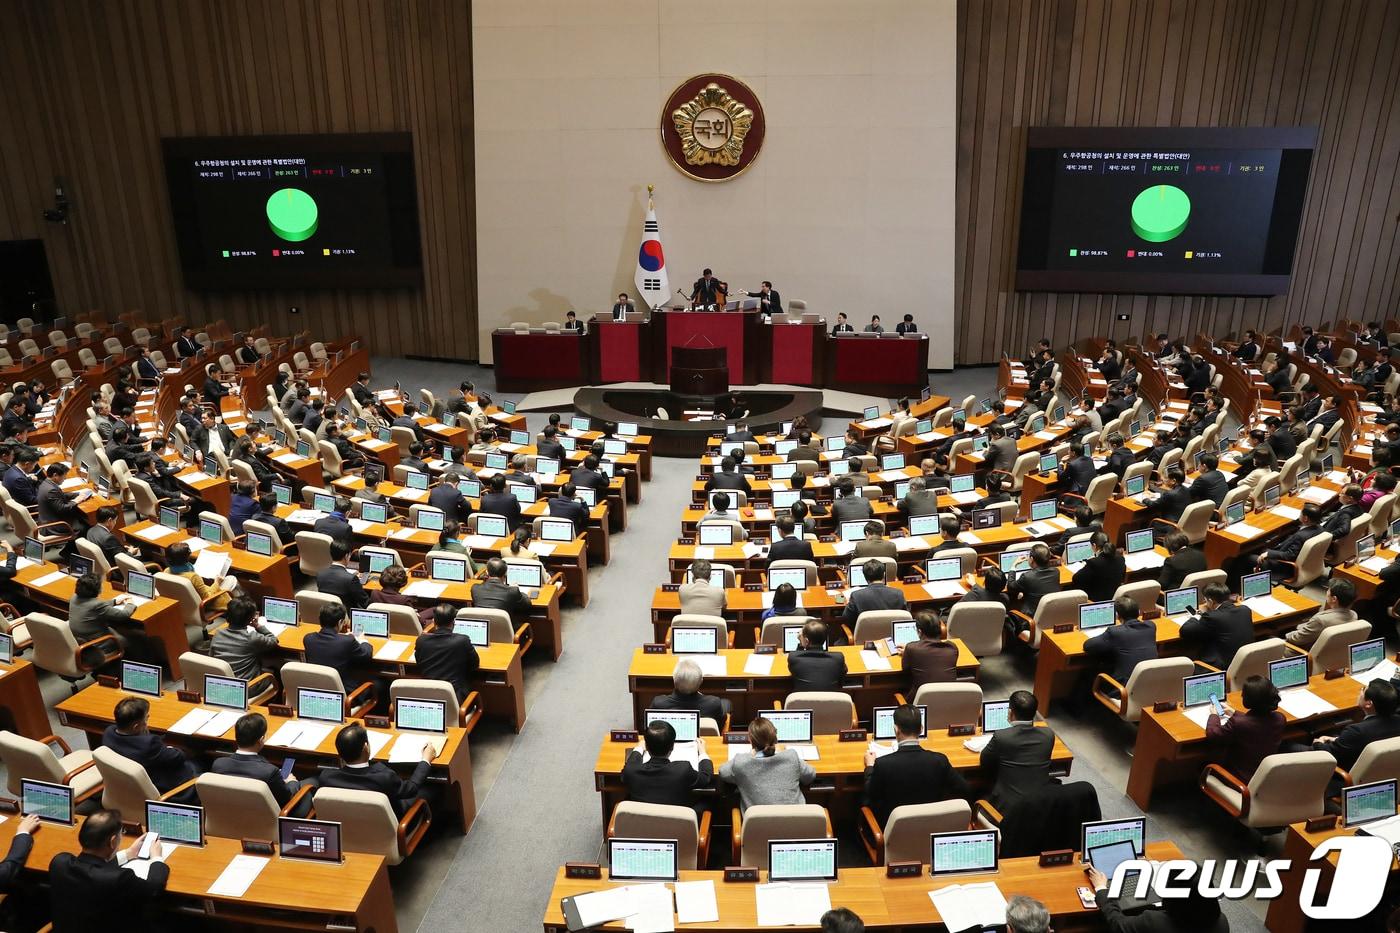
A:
(698, 621)
(978, 625)
(634, 820)
(831, 711)
(1204, 578)
(313, 552)
(1289, 787)
(297, 674)
(310, 603)
(1378, 761)
(402, 619)
(809, 566)
(950, 704)
(467, 712)
(1052, 610)
(1151, 682)
(1145, 593)
(763, 823)
(1254, 659)
(196, 666)
(126, 786)
(368, 824)
(28, 347)
(241, 807)
(36, 760)
(772, 632)
(875, 624)
(113, 346)
(904, 837)
(499, 628)
(1331, 650)
(86, 357)
(62, 371)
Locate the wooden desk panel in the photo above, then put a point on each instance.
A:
(21, 704)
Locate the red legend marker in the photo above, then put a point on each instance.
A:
(278, 252)
(1131, 253)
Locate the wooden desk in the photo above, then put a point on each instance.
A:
(287, 892)
(649, 676)
(499, 677)
(160, 617)
(1222, 546)
(1285, 913)
(90, 710)
(840, 767)
(1171, 747)
(543, 619)
(22, 707)
(1061, 659)
(897, 905)
(1365, 581)
(261, 576)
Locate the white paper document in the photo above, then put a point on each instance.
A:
(696, 903)
(1300, 703)
(704, 552)
(1267, 606)
(219, 723)
(969, 537)
(944, 589)
(786, 904)
(967, 906)
(874, 423)
(599, 907)
(1143, 560)
(759, 664)
(977, 743)
(1244, 530)
(1375, 564)
(392, 650)
(304, 517)
(212, 565)
(1317, 494)
(873, 661)
(299, 733)
(377, 741)
(1286, 512)
(424, 589)
(480, 541)
(711, 665)
(654, 910)
(805, 752)
(155, 533)
(1387, 829)
(966, 498)
(358, 525)
(238, 876)
(197, 476)
(48, 579)
(193, 721)
(1383, 670)
(1198, 714)
(408, 748)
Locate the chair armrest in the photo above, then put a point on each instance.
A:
(10, 612)
(302, 793)
(363, 690)
(1072, 495)
(1293, 576)
(899, 699)
(258, 691)
(1166, 523)
(1206, 668)
(1343, 776)
(850, 636)
(524, 637)
(702, 841)
(984, 811)
(872, 834)
(78, 652)
(777, 704)
(1289, 646)
(469, 713)
(178, 790)
(50, 739)
(413, 825)
(737, 842)
(1228, 778)
(1023, 617)
(1117, 706)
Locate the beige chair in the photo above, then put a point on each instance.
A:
(979, 625)
(1378, 761)
(51, 534)
(1289, 787)
(1151, 682)
(298, 674)
(310, 603)
(62, 371)
(875, 624)
(313, 552)
(367, 822)
(195, 613)
(772, 632)
(195, 667)
(241, 807)
(904, 837)
(263, 528)
(832, 710)
(402, 619)
(309, 493)
(763, 823)
(331, 463)
(1311, 563)
(468, 711)
(1254, 659)
(58, 652)
(87, 358)
(12, 623)
(889, 563)
(967, 555)
(126, 786)
(723, 638)
(1345, 549)
(809, 566)
(1237, 494)
(1052, 610)
(1382, 512)
(36, 760)
(1142, 468)
(948, 704)
(403, 437)
(1331, 650)
(93, 553)
(633, 820)
(1204, 578)
(1144, 592)
(1194, 522)
(499, 628)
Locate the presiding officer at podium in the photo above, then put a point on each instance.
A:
(705, 291)
(619, 310)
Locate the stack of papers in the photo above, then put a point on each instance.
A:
(1317, 494)
(787, 904)
(286, 458)
(198, 476)
(1198, 714)
(48, 579)
(711, 665)
(377, 741)
(1046, 435)
(1244, 530)
(805, 752)
(1267, 606)
(1142, 560)
(408, 748)
(238, 876)
(392, 650)
(1286, 512)
(479, 541)
(212, 565)
(944, 589)
(1383, 670)
(207, 722)
(880, 750)
(695, 902)
(1375, 564)
(970, 906)
(977, 742)
(305, 517)
(910, 543)
(876, 423)
(873, 661)
(299, 733)
(359, 524)
(1301, 703)
(843, 548)
(966, 498)
(969, 537)
(704, 552)
(629, 901)
(424, 589)
(1387, 829)
(690, 752)
(154, 533)
(759, 664)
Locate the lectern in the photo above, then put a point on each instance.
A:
(699, 370)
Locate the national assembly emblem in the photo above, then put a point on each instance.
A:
(712, 127)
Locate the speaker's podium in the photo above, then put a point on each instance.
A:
(623, 348)
(699, 370)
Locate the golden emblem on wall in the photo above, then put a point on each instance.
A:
(712, 127)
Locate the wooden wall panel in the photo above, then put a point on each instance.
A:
(1330, 63)
(92, 86)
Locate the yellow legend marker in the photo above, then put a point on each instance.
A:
(1188, 254)
(326, 252)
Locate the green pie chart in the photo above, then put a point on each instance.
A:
(292, 214)
(1160, 213)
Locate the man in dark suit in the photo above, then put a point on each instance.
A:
(1221, 630)
(19, 481)
(705, 291)
(588, 475)
(1078, 473)
(185, 345)
(805, 449)
(918, 500)
(357, 772)
(874, 595)
(769, 301)
(842, 326)
(1121, 457)
(849, 505)
(88, 890)
(931, 658)
(791, 546)
(1276, 559)
(1311, 401)
(910, 774)
(1338, 524)
(1121, 647)
(495, 593)
(130, 736)
(1210, 483)
(339, 580)
(1040, 580)
(568, 505)
(1327, 415)
(728, 477)
(448, 498)
(498, 501)
(267, 513)
(812, 666)
(1182, 560)
(362, 393)
(1379, 703)
(249, 733)
(1175, 496)
(1017, 759)
(658, 779)
(1084, 523)
(571, 322)
(687, 679)
(55, 505)
(333, 646)
(621, 307)
(444, 655)
(854, 447)
(248, 353)
(548, 445)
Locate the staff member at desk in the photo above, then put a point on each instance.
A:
(1017, 759)
(906, 326)
(568, 505)
(55, 505)
(249, 733)
(19, 481)
(333, 646)
(90, 617)
(1379, 703)
(842, 325)
(571, 322)
(621, 307)
(911, 774)
(1103, 573)
(658, 779)
(87, 890)
(1039, 581)
(767, 776)
(1182, 560)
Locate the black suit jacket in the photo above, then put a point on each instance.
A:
(582, 476)
(1220, 633)
(1017, 761)
(450, 499)
(337, 580)
(1179, 566)
(447, 656)
(1210, 485)
(708, 707)
(911, 775)
(791, 548)
(381, 778)
(572, 509)
(1100, 576)
(663, 781)
(502, 503)
(1352, 740)
(1173, 502)
(86, 893)
(1123, 646)
(284, 531)
(14, 859)
(1152, 920)
(552, 449)
(1078, 474)
(186, 346)
(723, 480)
(167, 766)
(1033, 584)
(341, 652)
(259, 769)
(816, 670)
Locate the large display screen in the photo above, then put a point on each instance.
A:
(1162, 210)
(295, 211)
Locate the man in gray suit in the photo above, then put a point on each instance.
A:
(55, 505)
(1341, 593)
(90, 617)
(244, 641)
(1001, 451)
(1017, 759)
(919, 500)
(850, 505)
(698, 596)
